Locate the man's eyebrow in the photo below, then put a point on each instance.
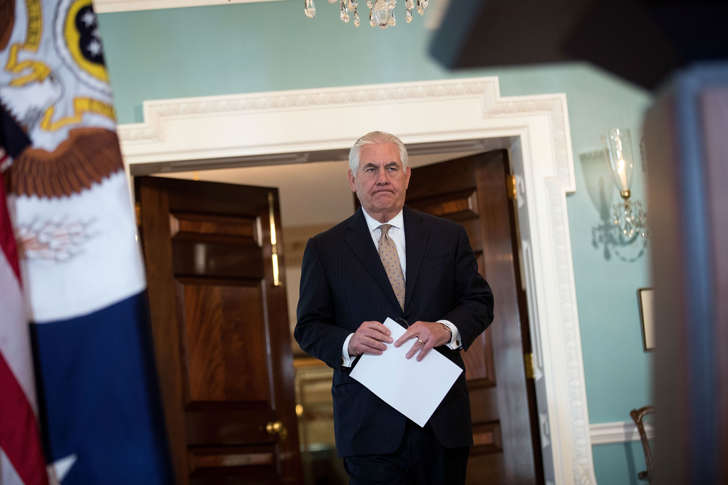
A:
(370, 164)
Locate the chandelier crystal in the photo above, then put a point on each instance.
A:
(630, 217)
(381, 12)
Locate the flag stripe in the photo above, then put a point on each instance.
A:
(8, 475)
(7, 236)
(14, 332)
(17, 422)
(19, 433)
(112, 420)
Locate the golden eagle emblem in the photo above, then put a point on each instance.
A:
(54, 85)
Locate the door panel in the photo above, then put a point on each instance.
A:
(222, 352)
(220, 327)
(472, 191)
(479, 369)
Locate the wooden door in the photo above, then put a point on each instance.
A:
(474, 192)
(220, 328)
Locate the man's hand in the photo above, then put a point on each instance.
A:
(369, 338)
(428, 335)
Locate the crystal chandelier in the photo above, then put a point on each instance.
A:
(628, 215)
(381, 12)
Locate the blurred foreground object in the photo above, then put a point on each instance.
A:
(79, 265)
(642, 41)
(686, 137)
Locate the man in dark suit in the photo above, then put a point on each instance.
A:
(390, 261)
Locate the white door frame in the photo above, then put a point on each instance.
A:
(288, 126)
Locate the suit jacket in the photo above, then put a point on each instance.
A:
(343, 283)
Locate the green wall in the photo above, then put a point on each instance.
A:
(271, 46)
(619, 463)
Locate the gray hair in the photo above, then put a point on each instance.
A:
(375, 138)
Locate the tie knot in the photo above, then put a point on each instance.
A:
(385, 229)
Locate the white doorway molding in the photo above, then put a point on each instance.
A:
(290, 126)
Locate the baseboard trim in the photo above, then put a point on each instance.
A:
(617, 432)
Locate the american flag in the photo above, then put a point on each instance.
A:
(70, 265)
(21, 456)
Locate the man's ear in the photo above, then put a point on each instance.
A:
(352, 181)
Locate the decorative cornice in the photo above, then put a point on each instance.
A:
(307, 98)
(298, 99)
(157, 113)
(553, 106)
(137, 132)
(617, 432)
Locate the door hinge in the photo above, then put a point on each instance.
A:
(511, 186)
(528, 364)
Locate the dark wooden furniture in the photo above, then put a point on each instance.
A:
(638, 416)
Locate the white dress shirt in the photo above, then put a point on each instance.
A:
(396, 234)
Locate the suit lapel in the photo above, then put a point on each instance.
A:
(417, 236)
(359, 240)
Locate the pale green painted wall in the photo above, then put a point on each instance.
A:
(619, 463)
(272, 46)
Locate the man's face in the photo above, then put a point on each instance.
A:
(380, 182)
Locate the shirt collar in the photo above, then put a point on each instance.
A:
(396, 221)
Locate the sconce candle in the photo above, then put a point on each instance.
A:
(629, 216)
(622, 176)
(619, 148)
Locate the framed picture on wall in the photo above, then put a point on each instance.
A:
(646, 298)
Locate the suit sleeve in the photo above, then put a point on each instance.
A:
(473, 311)
(316, 330)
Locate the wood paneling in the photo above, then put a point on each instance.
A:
(155, 235)
(220, 328)
(479, 369)
(238, 227)
(473, 192)
(224, 342)
(201, 459)
(486, 438)
(458, 206)
(226, 466)
(215, 423)
(197, 257)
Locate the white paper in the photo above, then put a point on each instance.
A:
(413, 388)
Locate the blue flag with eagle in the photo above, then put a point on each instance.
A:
(82, 275)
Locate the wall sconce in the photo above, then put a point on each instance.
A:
(628, 215)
